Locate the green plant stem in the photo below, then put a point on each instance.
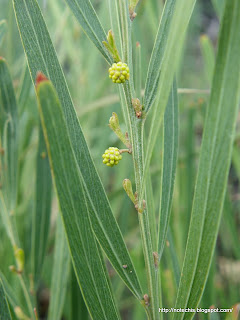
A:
(135, 129)
(136, 136)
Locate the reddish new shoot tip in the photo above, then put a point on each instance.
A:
(40, 78)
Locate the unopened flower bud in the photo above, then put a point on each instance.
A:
(137, 107)
(20, 259)
(114, 122)
(127, 186)
(114, 125)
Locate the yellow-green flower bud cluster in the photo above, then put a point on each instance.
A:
(119, 72)
(111, 156)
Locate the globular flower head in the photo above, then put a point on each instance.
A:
(111, 156)
(119, 72)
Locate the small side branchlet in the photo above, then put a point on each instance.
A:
(111, 46)
(114, 125)
(119, 72)
(138, 107)
(127, 186)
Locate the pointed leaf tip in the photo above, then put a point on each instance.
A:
(40, 78)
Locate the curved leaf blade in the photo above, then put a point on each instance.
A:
(74, 208)
(88, 19)
(169, 164)
(156, 61)
(9, 139)
(182, 11)
(214, 163)
(42, 212)
(78, 307)
(208, 56)
(8, 151)
(42, 56)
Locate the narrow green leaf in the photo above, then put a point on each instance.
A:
(42, 212)
(9, 139)
(236, 159)
(229, 222)
(10, 293)
(42, 56)
(174, 257)
(208, 56)
(3, 29)
(60, 273)
(78, 307)
(8, 151)
(214, 163)
(155, 64)
(24, 91)
(176, 29)
(74, 207)
(115, 24)
(4, 308)
(88, 19)
(151, 213)
(169, 164)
